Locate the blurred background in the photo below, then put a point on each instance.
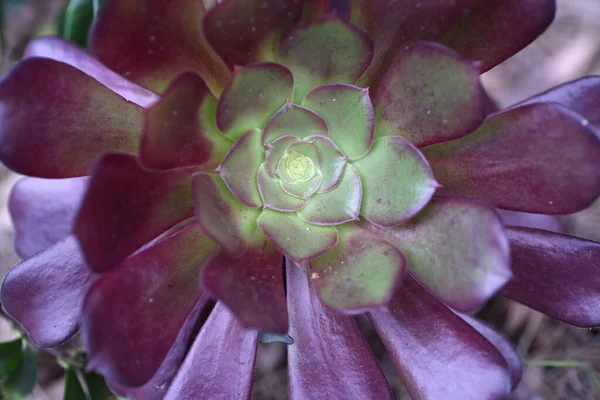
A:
(560, 361)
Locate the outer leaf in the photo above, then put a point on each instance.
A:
(349, 115)
(68, 53)
(551, 223)
(292, 119)
(429, 95)
(339, 205)
(152, 41)
(56, 120)
(10, 356)
(97, 387)
(42, 211)
(328, 340)
(361, 272)
(250, 286)
(493, 31)
(133, 314)
(174, 134)
(295, 238)
(543, 149)
(223, 349)
(426, 339)
(126, 206)
(326, 51)
(397, 181)
(456, 248)
(76, 21)
(20, 383)
(240, 166)
(53, 282)
(314, 9)
(393, 25)
(540, 260)
(73, 389)
(254, 93)
(273, 195)
(246, 32)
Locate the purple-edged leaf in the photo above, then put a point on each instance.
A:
(456, 248)
(581, 96)
(229, 222)
(157, 387)
(56, 120)
(295, 238)
(152, 41)
(250, 286)
(545, 150)
(323, 340)
(556, 274)
(337, 206)
(492, 31)
(292, 119)
(333, 162)
(348, 112)
(273, 196)
(175, 135)
(133, 314)
(538, 221)
(44, 293)
(513, 360)
(126, 206)
(252, 96)
(360, 273)
(275, 150)
(243, 32)
(396, 181)
(426, 339)
(314, 9)
(220, 362)
(303, 190)
(327, 51)
(42, 211)
(393, 25)
(429, 95)
(239, 168)
(69, 53)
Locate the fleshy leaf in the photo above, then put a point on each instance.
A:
(360, 273)
(464, 267)
(326, 51)
(314, 9)
(393, 25)
(492, 30)
(229, 222)
(303, 190)
(502, 345)
(275, 150)
(44, 293)
(132, 314)
(329, 339)
(245, 32)
(274, 196)
(292, 119)
(556, 274)
(152, 41)
(333, 162)
(254, 94)
(68, 53)
(425, 339)
(339, 205)
(295, 238)
(250, 286)
(348, 112)
(56, 120)
(429, 95)
(239, 168)
(126, 206)
(581, 96)
(552, 223)
(397, 181)
(223, 349)
(545, 150)
(174, 135)
(42, 211)
(308, 149)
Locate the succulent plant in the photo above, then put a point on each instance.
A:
(227, 139)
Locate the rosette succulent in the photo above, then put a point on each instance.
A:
(298, 163)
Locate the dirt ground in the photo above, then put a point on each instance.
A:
(560, 361)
